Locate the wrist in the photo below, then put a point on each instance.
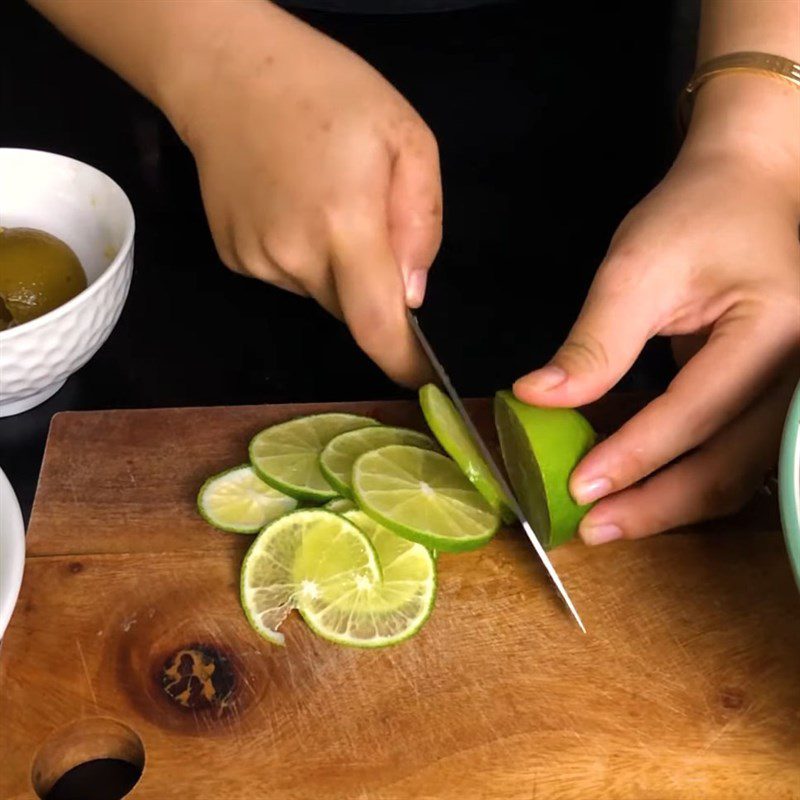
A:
(213, 49)
(754, 118)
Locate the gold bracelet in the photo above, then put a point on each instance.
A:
(761, 63)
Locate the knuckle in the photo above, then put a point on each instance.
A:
(372, 329)
(289, 255)
(585, 351)
(625, 253)
(696, 423)
(230, 260)
(427, 142)
(376, 329)
(632, 465)
(434, 210)
(259, 268)
(416, 137)
(722, 495)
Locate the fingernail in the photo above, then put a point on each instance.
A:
(415, 288)
(587, 491)
(543, 379)
(601, 534)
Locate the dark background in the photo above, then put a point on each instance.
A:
(553, 119)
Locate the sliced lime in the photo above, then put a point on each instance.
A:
(339, 505)
(307, 555)
(337, 459)
(286, 456)
(238, 501)
(423, 496)
(453, 435)
(377, 614)
(541, 447)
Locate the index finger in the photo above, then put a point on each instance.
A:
(371, 293)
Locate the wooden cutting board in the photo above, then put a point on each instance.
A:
(128, 641)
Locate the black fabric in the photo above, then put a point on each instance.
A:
(386, 6)
(547, 137)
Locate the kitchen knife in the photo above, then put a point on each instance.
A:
(496, 471)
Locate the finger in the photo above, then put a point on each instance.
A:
(370, 289)
(615, 322)
(742, 356)
(222, 236)
(297, 260)
(254, 261)
(415, 212)
(714, 481)
(322, 287)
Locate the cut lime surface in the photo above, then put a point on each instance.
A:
(238, 501)
(541, 447)
(451, 432)
(337, 459)
(310, 555)
(380, 613)
(286, 456)
(423, 496)
(339, 505)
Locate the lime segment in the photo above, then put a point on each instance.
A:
(308, 555)
(454, 436)
(541, 447)
(286, 456)
(380, 613)
(238, 501)
(337, 459)
(423, 496)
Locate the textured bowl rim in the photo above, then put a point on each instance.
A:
(789, 483)
(107, 273)
(12, 537)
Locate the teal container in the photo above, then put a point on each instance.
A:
(789, 483)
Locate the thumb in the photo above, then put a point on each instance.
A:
(415, 212)
(610, 332)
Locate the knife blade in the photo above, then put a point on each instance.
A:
(494, 468)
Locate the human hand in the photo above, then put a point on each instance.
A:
(316, 174)
(710, 257)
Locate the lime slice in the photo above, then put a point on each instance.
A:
(382, 613)
(337, 459)
(286, 456)
(308, 555)
(238, 501)
(448, 427)
(541, 447)
(339, 505)
(423, 496)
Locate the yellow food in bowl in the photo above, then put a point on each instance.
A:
(38, 272)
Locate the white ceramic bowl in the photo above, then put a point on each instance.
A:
(12, 551)
(89, 212)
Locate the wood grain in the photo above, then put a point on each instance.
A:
(686, 686)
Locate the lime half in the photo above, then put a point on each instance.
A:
(238, 501)
(309, 556)
(423, 496)
(378, 614)
(337, 459)
(286, 456)
(454, 436)
(541, 447)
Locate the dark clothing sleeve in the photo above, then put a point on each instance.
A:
(386, 6)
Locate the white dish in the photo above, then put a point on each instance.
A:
(90, 212)
(12, 551)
